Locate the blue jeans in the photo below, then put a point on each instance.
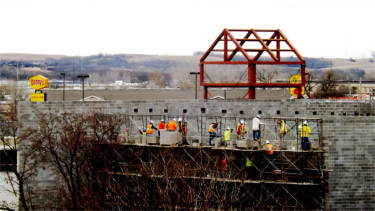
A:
(305, 143)
(256, 134)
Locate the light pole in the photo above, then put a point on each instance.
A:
(63, 74)
(196, 74)
(83, 85)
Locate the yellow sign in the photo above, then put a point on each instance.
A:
(37, 97)
(296, 79)
(38, 82)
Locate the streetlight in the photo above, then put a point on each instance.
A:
(83, 85)
(196, 74)
(63, 74)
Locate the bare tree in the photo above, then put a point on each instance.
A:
(327, 85)
(267, 74)
(66, 144)
(14, 146)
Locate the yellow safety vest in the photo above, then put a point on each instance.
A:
(248, 162)
(305, 130)
(227, 135)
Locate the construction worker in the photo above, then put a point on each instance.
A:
(172, 126)
(150, 127)
(212, 132)
(144, 132)
(283, 129)
(249, 168)
(240, 130)
(256, 127)
(227, 133)
(182, 129)
(224, 164)
(305, 131)
(161, 126)
(269, 148)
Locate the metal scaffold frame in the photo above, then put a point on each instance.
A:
(251, 47)
(287, 179)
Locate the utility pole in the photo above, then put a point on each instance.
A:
(83, 85)
(196, 75)
(63, 74)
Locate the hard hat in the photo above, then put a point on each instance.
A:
(258, 116)
(174, 119)
(144, 129)
(228, 128)
(242, 121)
(162, 120)
(179, 119)
(305, 122)
(267, 142)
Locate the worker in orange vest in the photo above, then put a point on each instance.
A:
(150, 127)
(240, 130)
(172, 126)
(161, 126)
(269, 148)
(212, 132)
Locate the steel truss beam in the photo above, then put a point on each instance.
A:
(261, 40)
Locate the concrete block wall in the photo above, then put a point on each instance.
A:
(349, 127)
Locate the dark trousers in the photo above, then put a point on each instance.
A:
(305, 143)
(212, 136)
(256, 134)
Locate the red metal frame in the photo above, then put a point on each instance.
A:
(277, 38)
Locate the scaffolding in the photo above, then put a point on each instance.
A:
(214, 177)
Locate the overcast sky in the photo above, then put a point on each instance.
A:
(316, 28)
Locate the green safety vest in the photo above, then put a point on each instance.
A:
(227, 135)
(248, 162)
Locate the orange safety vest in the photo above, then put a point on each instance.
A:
(149, 129)
(161, 126)
(183, 127)
(212, 129)
(269, 149)
(172, 126)
(240, 129)
(223, 164)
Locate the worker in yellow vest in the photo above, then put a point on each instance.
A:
(227, 133)
(305, 130)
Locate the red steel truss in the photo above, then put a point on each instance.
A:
(271, 47)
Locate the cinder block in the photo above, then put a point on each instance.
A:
(170, 138)
(194, 139)
(138, 139)
(243, 144)
(217, 142)
(144, 140)
(153, 139)
(255, 145)
(130, 139)
(121, 138)
(314, 145)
